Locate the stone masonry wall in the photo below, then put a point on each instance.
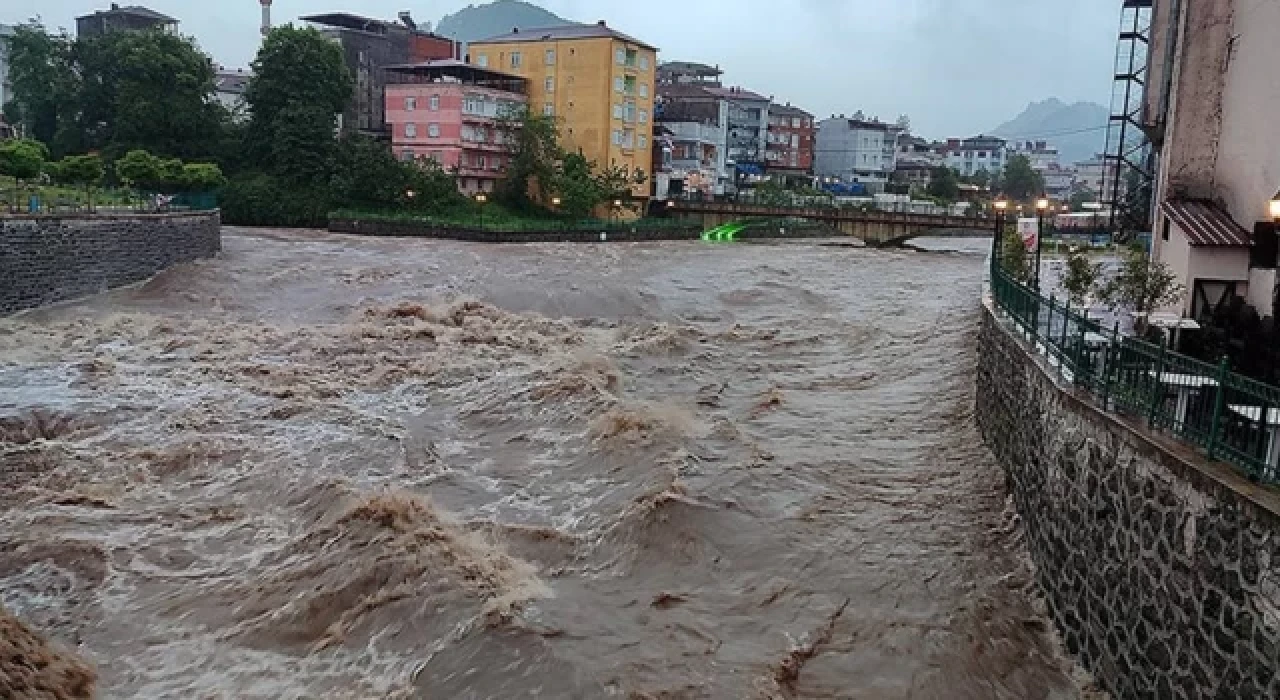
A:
(46, 259)
(1162, 570)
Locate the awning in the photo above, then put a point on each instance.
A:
(1204, 224)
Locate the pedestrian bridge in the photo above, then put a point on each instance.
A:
(874, 227)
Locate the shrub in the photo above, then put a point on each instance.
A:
(258, 199)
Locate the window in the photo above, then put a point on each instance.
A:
(551, 57)
(482, 60)
(795, 122)
(617, 137)
(795, 140)
(1164, 230)
(644, 116)
(620, 56)
(549, 84)
(410, 104)
(548, 110)
(480, 162)
(644, 141)
(628, 138)
(644, 89)
(407, 156)
(982, 154)
(515, 59)
(410, 131)
(644, 63)
(629, 85)
(631, 57)
(629, 112)
(617, 84)
(617, 111)
(437, 156)
(435, 103)
(433, 130)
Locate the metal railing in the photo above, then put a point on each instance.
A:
(1229, 417)
(508, 224)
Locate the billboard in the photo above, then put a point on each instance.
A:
(1029, 230)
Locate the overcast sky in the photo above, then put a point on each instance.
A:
(957, 67)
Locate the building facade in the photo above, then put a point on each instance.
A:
(1094, 174)
(1211, 118)
(748, 117)
(128, 18)
(597, 82)
(447, 111)
(856, 151)
(789, 141)
(687, 73)
(369, 47)
(1041, 154)
(6, 90)
(696, 125)
(229, 89)
(971, 155)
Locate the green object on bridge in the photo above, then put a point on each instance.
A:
(726, 232)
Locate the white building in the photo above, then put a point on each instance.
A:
(229, 90)
(856, 151)
(1041, 154)
(1094, 174)
(969, 156)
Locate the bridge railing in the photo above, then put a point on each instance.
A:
(1228, 416)
(795, 202)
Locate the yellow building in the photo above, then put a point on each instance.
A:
(597, 82)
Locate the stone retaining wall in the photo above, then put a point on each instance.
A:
(1162, 571)
(46, 259)
(678, 231)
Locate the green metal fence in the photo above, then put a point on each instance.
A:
(1230, 417)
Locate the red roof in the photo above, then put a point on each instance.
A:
(1204, 224)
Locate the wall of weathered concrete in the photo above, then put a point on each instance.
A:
(1162, 571)
(45, 259)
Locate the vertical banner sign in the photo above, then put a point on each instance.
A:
(1029, 230)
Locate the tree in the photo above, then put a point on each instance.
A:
(85, 171)
(1081, 276)
(138, 168)
(944, 184)
(43, 80)
(300, 85)
(579, 191)
(202, 177)
(22, 159)
(1021, 182)
(1014, 258)
(1142, 285)
(1079, 197)
(366, 173)
(534, 158)
(982, 178)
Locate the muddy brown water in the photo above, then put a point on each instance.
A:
(326, 466)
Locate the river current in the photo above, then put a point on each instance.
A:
(331, 467)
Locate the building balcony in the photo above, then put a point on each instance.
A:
(694, 132)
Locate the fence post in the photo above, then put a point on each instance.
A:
(1156, 394)
(1219, 400)
(1048, 331)
(1113, 359)
(1066, 324)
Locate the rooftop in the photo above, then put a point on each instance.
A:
(567, 32)
(232, 81)
(690, 68)
(788, 111)
(359, 23)
(736, 93)
(456, 71)
(1205, 224)
(133, 11)
(685, 91)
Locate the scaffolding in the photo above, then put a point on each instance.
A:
(1129, 160)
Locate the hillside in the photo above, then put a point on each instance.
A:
(476, 22)
(1078, 130)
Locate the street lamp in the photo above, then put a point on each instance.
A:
(1002, 207)
(617, 206)
(1274, 206)
(555, 201)
(481, 198)
(1042, 208)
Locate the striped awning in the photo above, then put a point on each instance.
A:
(1204, 224)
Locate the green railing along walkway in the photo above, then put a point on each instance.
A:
(1230, 417)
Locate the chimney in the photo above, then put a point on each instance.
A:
(115, 6)
(601, 23)
(407, 19)
(515, 30)
(266, 17)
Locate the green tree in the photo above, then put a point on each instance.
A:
(534, 158)
(982, 178)
(202, 177)
(1021, 182)
(22, 159)
(1142, 284)
(366, 173)
(138, 168)
(170, 176)
(84, 171)
(944, 184)
(1081, 276)
(1014, 258)
(577, 187)
(299, 87)
(43, 79)
(1079, 198)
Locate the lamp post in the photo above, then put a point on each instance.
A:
(481, 198)
(617, 205)
(1042, 208)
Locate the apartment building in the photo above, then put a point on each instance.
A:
(696, 126)
(971, 155)
(370, 46)
(447, 111)
(748, 131)
(598, 82)
(1211, 117)
(789, 141)
(6, 90)
(1041, 154)
(862, 151)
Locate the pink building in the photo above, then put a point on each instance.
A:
(447, 111)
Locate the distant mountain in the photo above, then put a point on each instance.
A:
(1079, 130)
(476, 22)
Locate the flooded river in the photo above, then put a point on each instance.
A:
(330, 467)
